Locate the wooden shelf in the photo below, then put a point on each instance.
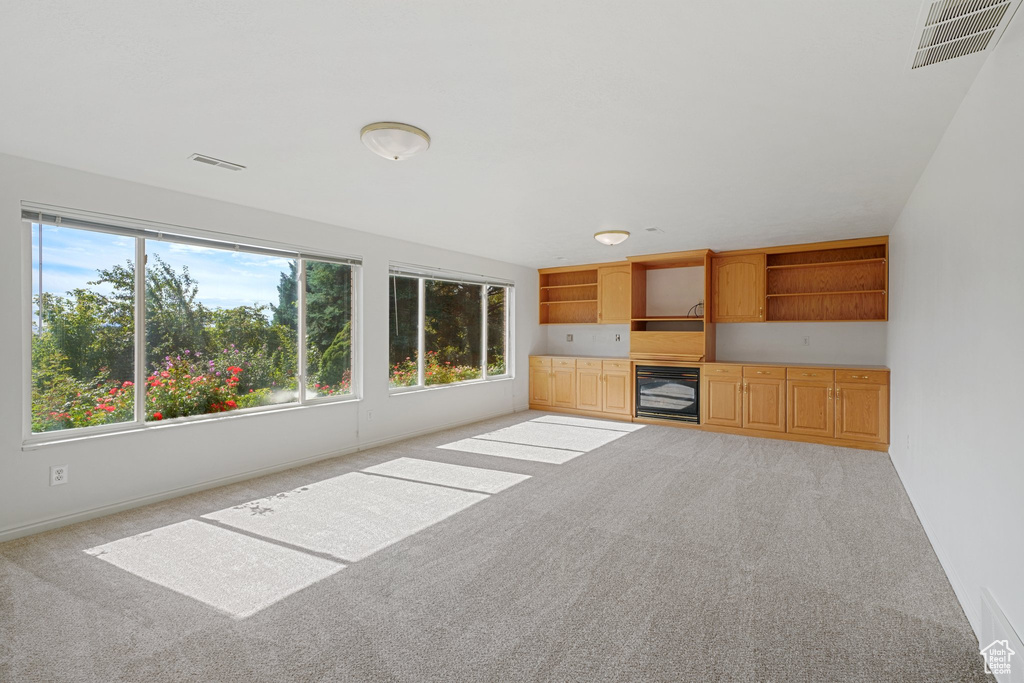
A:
(658, 318)
(569, 301)
(586, 284)
(827, 264)
(849, 291)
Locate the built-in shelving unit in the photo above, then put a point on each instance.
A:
(832, 284)
(568, 295)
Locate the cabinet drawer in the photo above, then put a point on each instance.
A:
(755, 371)
(716, 370)
(620, 365)
(557, 363)
(818, 374)
(863, 376)
(586, 363)
(540, 361)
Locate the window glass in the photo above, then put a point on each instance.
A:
(221, 333)
(452, 332)
(83, 327)
(403, 305)
(497, 331)
(328, 329)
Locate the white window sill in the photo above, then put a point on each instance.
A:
(37, 441)
(400, 391)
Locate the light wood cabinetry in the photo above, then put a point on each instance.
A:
(614, 285)
(862, 411)
(617, 389)
(737, 288)
(764, 399)
(583, 385)
(810, 409)
(722, 388)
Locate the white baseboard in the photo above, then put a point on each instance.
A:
(64, 520)
(970, 608)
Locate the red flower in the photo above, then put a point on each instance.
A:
(231, 404)
(165, 374)
(158, 416)
(112, 392)
(109, 409)
(235, 369)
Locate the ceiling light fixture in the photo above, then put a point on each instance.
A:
(394, 141)
(611, 237)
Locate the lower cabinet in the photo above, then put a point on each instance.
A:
(594, 385)
(764, 403)
(722, 387)
(862, 407)
(811, 411)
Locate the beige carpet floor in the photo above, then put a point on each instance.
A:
(525, 548)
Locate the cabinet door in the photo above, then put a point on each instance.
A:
(737, 288)
(618, 393)
(563, 387)
(588, 389)
(614, 284)
(540, 386)
(862, 412)
(764, 404)
(723, 401)
(809, 408)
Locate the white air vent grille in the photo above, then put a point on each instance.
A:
(955, 28)
(220, 163)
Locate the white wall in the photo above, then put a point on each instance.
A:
(830, 343)
(111, 470)
(956, 336)
(597, 341)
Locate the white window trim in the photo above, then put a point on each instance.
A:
(421, 276)
(32, 440)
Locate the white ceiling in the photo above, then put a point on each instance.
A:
(726, 124)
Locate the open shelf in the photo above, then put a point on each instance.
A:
(668, 317)
(840, 284)
(587, 284)
(569, 301)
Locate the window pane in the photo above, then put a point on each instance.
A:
(328, 329)
(453, 331)
(83, 347)
(496, 331)
(404, 337)
(221, 330)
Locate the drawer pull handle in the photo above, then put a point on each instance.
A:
(859, 376)
(810, 374)
(761, 372)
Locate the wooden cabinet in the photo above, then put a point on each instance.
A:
(614, 284)
(587, 385)
(563, 383)
(722, 387)
(540, 381)
(810, 410)
(618, 392)
(737, 288)
(862, 410)
(764, 400)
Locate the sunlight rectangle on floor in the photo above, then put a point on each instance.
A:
(231, 572)
(444, 474)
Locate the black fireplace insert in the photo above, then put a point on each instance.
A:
(667, 392)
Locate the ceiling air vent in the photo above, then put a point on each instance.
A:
(954, 28)
(203, 159)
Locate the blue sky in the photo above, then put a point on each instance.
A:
(226, 278)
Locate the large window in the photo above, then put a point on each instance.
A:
(446, 329)
(223, 327)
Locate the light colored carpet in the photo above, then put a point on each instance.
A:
(528, 548)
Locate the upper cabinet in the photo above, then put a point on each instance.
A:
(614, 284)
(737, 288)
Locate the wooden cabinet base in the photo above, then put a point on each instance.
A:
(881, 447)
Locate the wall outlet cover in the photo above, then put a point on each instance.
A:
(568, 337)
(58, 475)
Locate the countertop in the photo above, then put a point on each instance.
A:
(841, 366)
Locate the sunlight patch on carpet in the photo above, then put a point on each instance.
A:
(458, 476)
(231, 572)
(552, 439)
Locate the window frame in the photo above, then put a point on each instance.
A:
(140, 231)
(421, 276)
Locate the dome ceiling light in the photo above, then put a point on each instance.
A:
(611, 237)
(394, 141)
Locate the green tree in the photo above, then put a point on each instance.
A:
(286, 312)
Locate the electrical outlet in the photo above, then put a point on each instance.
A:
(568, 337)
(369, 416)
(58, 475)
(807, 341)
(618, 337)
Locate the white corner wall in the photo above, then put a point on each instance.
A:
(956, 340)
(116, 471)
